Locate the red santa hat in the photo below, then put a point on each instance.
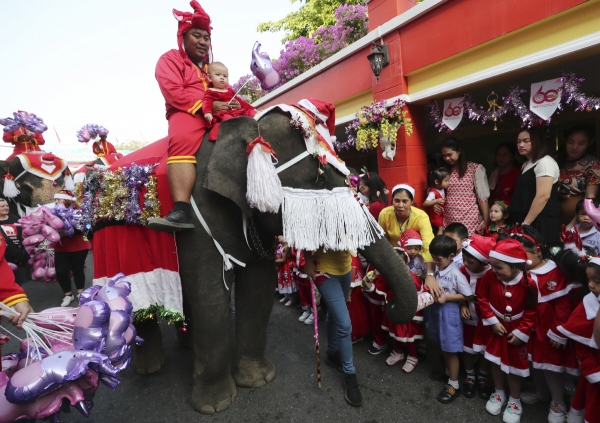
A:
(479, 247)
(64, 194)
(410, 238)
(321, 109)
(510, 251)
(187, 20)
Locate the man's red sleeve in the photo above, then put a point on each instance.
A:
(169, 74)
(39, 139)
(10, 292)
(9, 137)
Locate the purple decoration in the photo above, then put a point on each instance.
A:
(69, 217)
(29, 121)
(115, 292)
(116, 343)
(91, 326)
(262, 67)
(49, 374)
(89, 294)
(91, 131)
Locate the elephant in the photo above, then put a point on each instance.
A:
(220, 195)
(33, 189)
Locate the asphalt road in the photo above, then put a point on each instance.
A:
(293, 396)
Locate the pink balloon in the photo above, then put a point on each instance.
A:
(51, 273)
(33, 239)
(12, 266)
(50, 233)
(31, 230)
(39, 273)
(55, 222)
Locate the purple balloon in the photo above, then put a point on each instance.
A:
(115, 293)
(262, 67)
(91, 326)
(49, 374)
(89, 294)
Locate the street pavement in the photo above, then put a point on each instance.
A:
(293, 396)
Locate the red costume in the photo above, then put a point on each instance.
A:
(106, 151)
(183, 85)
(437, 219)
(23, 145)
(358, 306)
(210, 96)
(553, 310)
(580, 328)
(506, 303)
(10, 292)
(475, 334)
(375, 308)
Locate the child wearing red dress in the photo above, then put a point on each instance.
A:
(286, 282)
(218, 75)
(406, 334)
(549, 354)
(506, 298)
(580, 328)
(476, 255)
(436, 195)
(358, 306)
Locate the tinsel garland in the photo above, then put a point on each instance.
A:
(116, 196)
(513, 104)
(159, 312)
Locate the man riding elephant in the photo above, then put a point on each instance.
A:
(182, 78)
(24, 131)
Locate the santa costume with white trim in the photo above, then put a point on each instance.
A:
(507, 303)
(475, 334)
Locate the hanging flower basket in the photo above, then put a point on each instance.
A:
(377, 125)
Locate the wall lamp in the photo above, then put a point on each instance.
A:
(379, 58)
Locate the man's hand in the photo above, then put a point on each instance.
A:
(433, 286)
(24, 308)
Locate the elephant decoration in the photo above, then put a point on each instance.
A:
(220, 197)
(34, 187)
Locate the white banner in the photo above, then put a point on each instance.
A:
(544, 97)
(453, 112)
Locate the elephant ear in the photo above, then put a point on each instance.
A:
(3, 168)
(226, 171)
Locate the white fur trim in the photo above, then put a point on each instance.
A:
(595, 260)
(476, 254)
(521, 335)
(69, 184)
(593, 378)
(264, 191)
(10, 189)
(506, 369)
(414, 242)
(491, 321)
(159, 286)
(561, 340)
(507, 259)
(64, 197)
(79, 178)
(333, 220)
(404, 186)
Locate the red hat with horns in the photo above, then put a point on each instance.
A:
(187, 20)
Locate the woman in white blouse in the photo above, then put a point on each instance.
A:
(535, 200)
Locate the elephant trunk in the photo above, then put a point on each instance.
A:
(402, 308)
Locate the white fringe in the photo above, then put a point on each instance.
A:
(334, 220)
(69, 183)
(10, 189)
(264, 191)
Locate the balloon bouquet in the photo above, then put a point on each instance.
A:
(90, 131)
(26, 120)
(40, 230)
(67, 352)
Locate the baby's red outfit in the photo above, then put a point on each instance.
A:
(210, 96)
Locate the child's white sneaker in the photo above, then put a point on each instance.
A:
(512, 413)
(309, 320)
(67, 300)
(574, 418)
(494, 404)
(304, 316)
(394, 358)
(556, 414)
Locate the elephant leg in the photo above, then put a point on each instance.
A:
(149, 357)
(253, 304)
(213, 387)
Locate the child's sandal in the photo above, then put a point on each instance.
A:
(394, 358)
(410, 365)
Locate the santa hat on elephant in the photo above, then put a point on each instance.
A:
(187, 20)
(322, 110)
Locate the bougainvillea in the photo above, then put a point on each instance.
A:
(303, 53)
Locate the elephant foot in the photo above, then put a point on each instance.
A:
(149, 357)
(214, 397)
(253, 373)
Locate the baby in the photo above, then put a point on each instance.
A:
(218, 75)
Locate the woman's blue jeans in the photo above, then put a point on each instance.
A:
(335, 290)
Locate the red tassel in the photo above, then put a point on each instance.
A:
(264, 145)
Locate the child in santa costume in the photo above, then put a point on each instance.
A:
(357, 304)
(580, 328)
(476, 256)
(286, 279)
(218, 75)
(549, 353)
(436, 195)
(412, 244)
(404, 335)
(445, 326)
(11, 293)
(375, 309)
(507, 303)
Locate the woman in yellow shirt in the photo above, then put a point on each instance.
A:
(402, 215)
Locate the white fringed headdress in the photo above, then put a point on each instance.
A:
(335, 220)
(263, 189)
